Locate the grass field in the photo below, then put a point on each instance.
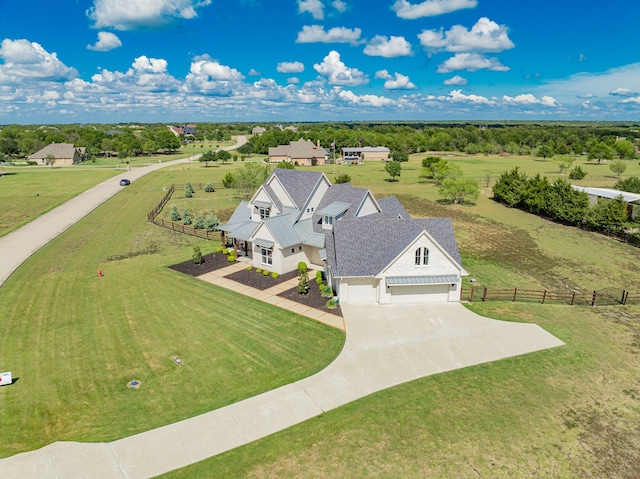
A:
(74, 340)
(568, 412)
(28, 192)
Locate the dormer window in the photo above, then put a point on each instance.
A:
(264, 212)
(328, 220)
(422, 257)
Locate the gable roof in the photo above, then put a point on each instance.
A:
(299, 185)
(338, 197)
(365, 246)
(609, 193)
(58, 150)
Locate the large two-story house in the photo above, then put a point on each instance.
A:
(371, 250)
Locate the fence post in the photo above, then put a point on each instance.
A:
(471, 296)
(623, 300)
(515, 293)
(484, 296)
(593, 299)
(544, 295)
(573, 298)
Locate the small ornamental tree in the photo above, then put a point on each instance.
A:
(207, 156)
(394, 168)
(228, 181)
(187, 191)
(223, 155)
(303, 278)
(210, 222)
(175, 214)
(209, 188)
(190, 187)
(342, 178)
(577, 173)
(186, 217)
(564, 163)
(618, 167)
(198, 223)
(197, 255)
(459, 190)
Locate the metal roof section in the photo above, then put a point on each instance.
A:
(316, 240)
(323, 254)
(262, 243)
(609, 193)
(284, 234)
(262, 204)
(245, 230)
(371, 149)
(334, 209)
(418, 280)
(242, 213)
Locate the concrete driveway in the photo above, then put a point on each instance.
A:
(385, 346)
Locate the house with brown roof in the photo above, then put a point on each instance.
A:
(301, 152)
(371, 251)
(62, 153)
(365, 153)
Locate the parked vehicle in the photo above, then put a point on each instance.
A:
(124, 182)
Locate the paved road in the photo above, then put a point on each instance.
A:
(20, 244)
(385, 346)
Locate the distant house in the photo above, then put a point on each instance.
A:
(185, 130)
(301, 152)
(603, 194)
(258, 130)
(371, 251)
(367, 153)
(63, 153)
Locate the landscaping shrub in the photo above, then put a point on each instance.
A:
(265, 272)
(332, 304)
(190, 187)
(186, 217)
(631, 184)
(197, 255)
(231, 258)
(259, 270)
(249, 268)
(302, 266)
(342, 178)
(274, 275)
(175, 214)
(209, 188)
(228, 181)
(327, 291)
(225, 251)
(303, 278)
(219, 249)
(198, 223)
(188, 190)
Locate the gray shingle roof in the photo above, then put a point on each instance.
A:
(365, 246)
(393, 208)
(298, 184)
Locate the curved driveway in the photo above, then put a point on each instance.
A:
(385, 346)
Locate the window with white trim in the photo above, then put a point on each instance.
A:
(422, 257)
(267, 256)
(264, 212)
(328, 220)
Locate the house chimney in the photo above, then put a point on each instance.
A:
(318, 142)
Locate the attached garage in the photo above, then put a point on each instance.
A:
(358, 290)
(420, 289)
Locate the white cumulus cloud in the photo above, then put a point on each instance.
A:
(317, 34)
(210, 76)
(397, 81)
(338, 73)
(471, 62)
(314, 7)
(388, 47)
(371, 100)
(132, 14)
(106, 41)
(25, 60)
(485, 36)
(625, 92)
(455, 80)
(290, 67)
(430, 8)
(529, 99)
(456, 96)
(339, 5)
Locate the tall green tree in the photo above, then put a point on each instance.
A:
(600, 151)
(249, 177)
(459, 190)
(207, 157)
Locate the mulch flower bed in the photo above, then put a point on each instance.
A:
(258, 280)
(312, 298)
(211, 262)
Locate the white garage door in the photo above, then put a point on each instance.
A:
(420, 293)
(361, 291)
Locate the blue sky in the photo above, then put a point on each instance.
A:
(90, 61)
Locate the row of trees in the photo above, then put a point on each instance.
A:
(559, 201)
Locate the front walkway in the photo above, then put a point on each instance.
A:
(385, 346)
(218, 277)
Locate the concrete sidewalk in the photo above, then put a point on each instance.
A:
(385, 346)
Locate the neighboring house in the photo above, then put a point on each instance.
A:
(301, 152)
(258, 130)
(600, 194)
(64, 154)
(371, 251)
(186, 130)
(367, 153)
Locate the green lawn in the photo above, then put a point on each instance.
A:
(74, 340)
(28, 192)
(567, 412)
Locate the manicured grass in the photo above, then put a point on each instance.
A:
(75, 340)
(28, 192)
(567, 412)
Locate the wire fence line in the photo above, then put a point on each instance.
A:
(602, 297)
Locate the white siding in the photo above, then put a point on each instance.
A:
(368, 207)
(439, 263)
(314, 201)
(280, 192)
